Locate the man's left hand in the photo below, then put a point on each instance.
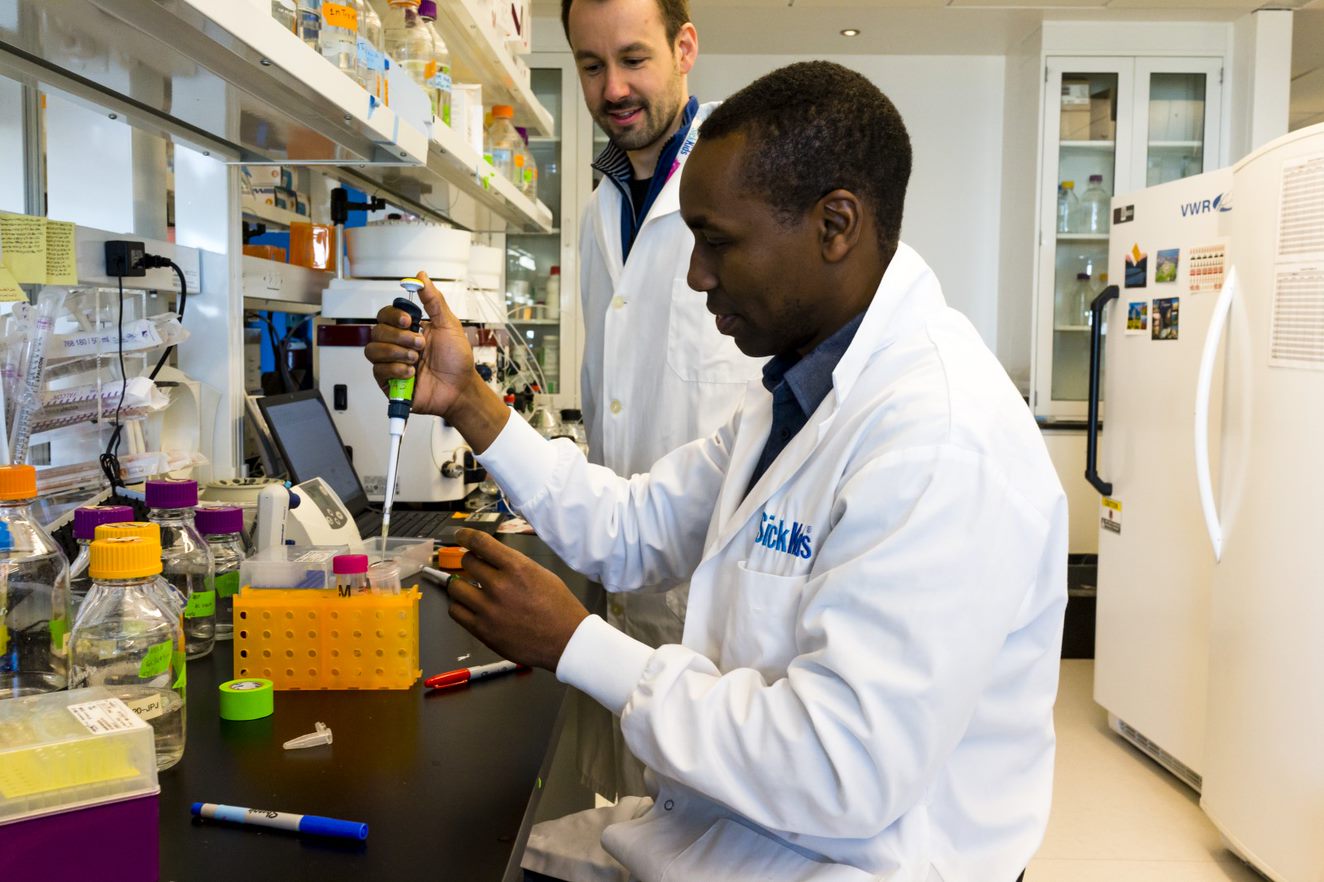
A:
(519, 609)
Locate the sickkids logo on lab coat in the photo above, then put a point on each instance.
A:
(1221, 202)
(793, 540)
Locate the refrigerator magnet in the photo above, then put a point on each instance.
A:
(1137, 317)
(1165, 319)
(1137, 267)
(1165, 271)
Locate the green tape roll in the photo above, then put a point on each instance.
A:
(251, 698)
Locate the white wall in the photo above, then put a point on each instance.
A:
(952, 106)
(1067, 450)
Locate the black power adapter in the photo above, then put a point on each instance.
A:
(125, 259)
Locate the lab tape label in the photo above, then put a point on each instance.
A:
(1110, 514)
(147, 707)
(106, 715)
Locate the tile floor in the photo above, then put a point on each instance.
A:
(1117, 816)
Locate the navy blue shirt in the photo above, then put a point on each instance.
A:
(798, 386)
(615, 166)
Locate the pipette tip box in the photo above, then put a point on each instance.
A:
(77, 767)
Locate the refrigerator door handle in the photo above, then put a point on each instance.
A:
(1203, 391)
(1096, 364)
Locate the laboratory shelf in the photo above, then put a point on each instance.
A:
(542, 321)
(270, 214)
(1076, 328)
(284, 286)
(1103, 146)
(1180, 146)
(479, 55)
(242, 86)
(1063, 238)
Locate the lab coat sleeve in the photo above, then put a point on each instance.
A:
(927, 568)
(623, 533)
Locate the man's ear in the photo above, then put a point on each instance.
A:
(840, 216)
(686, 47)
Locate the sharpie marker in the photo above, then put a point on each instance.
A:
(281, 820)
(460, 676)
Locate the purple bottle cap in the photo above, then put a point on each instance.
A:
(215, 521)
(88, 518)
(427, 10)
(172, 493)
(349, 564)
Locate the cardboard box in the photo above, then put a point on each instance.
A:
(1075, 93)
(1075, 124)
(1102, 125)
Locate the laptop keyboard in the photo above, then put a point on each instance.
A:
(423, 524)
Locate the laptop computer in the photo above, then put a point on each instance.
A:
(301, 426)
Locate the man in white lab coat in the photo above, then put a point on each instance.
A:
(656, 373)
(876, 540)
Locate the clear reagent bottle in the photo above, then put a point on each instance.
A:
(86, 521)
(223, 528)
(128, 642)
(34, 594)
(185, 558)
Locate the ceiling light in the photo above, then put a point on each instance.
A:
(851, 32)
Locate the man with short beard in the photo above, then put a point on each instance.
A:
(656, 372)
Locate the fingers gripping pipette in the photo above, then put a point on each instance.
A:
(401, 395)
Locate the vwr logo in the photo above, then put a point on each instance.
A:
(793, 540)
(1220, 203)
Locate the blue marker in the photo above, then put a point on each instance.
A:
(281, 820)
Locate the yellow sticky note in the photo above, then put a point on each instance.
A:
(10, 292)
(23, 247)
(61, 264)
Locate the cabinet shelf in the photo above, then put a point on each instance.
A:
(1103, 146)
(1179, 146)
(1065, 238)
(284, 103)
(1074, 328)
(479, 55)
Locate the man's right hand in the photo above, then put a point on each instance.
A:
(440, 358)
(442, 363)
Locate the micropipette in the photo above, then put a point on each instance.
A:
(401, 395)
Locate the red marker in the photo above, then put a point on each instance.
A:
(461, 676)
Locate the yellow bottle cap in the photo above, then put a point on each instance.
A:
(130, 557)
(18, 482)
(1070, 185)
(142, 529)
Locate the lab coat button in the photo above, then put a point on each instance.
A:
(615, 405)
(617, 302)
(669, 804)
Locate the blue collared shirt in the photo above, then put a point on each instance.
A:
(615, 166)
(798, 386)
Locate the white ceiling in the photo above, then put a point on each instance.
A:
(966, 27)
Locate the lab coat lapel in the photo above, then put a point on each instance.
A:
(755, 423)
(607, 229)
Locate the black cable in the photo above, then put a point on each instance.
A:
(183, 300)
(110, 463)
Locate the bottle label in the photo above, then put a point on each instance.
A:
(106, 715)
(310, 24)
(227, 584)
(338, 16)
(201, 605)
(147, 707)
(441, 80)
(179, 660)
(156, 662)
(59, 635)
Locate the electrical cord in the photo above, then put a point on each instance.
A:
(110, 463)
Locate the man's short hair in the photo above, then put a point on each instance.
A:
(814, 127)
(675, 14)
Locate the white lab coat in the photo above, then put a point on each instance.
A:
(656, 375)
(870, 660)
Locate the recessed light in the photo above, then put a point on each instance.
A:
(851, 32)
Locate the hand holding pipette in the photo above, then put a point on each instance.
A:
(401, 395)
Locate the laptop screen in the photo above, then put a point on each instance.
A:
(310, 445)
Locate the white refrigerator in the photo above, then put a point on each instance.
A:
(1210, 645)
(1166, 246)
(1264, 750)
